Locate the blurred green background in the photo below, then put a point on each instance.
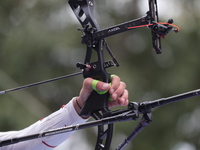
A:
(39, 40)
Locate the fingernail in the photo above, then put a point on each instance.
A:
(122, 101)
(115, 96)
(104, 86)
(112, 91)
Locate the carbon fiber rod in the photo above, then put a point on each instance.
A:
(38, 83)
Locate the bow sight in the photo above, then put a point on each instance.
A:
(91, 32)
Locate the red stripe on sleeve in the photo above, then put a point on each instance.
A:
(48, 144)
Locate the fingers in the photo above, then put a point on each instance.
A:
(121, 100)
(114, 84)
(90, 85)
(117, 90)
(117, 87)
(87, 88)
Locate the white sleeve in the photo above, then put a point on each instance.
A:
(65, 116)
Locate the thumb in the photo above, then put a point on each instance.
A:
(100, 87)
(89, 85)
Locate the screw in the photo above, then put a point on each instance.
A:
(94, 66)
(91, 3)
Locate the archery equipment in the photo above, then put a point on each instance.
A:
(97, 104)
(130, 113)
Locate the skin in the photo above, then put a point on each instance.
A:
(117, 90)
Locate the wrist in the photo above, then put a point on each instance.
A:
(78, 105)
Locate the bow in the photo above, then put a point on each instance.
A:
(97, 104)
(93, 38)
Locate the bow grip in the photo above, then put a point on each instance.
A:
(97, 102)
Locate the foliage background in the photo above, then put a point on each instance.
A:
(39, 40)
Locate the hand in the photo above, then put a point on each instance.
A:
(117, 90)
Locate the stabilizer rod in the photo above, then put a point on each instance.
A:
(147, 106)
(118, 116)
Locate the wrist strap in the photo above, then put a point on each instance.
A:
(78, 103)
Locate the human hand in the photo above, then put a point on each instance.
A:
(117, 90)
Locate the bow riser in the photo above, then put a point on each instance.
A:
(83, 10)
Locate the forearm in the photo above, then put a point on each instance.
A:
(65, 116)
